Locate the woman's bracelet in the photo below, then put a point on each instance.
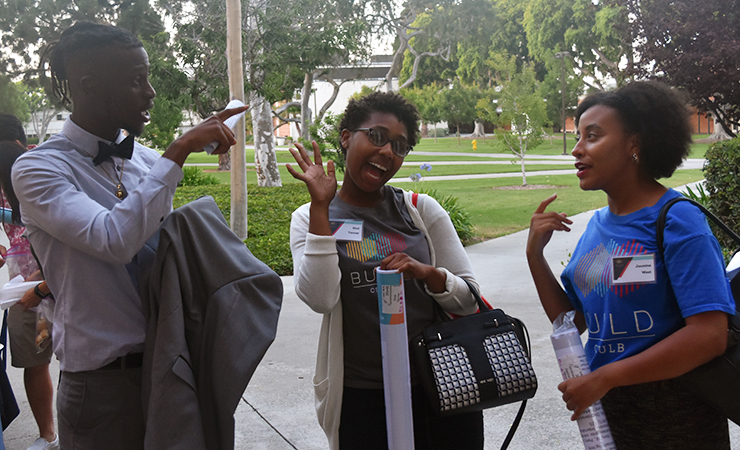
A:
(38, 292)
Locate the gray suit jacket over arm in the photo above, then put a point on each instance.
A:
(212, 310)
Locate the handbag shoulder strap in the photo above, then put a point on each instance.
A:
(660, 224)
(734, 324)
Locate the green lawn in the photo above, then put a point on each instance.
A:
(497, 212)
(450, 144)
(548, 147)
(493, 211)
(405, 172)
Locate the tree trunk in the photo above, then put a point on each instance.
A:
(265, 161)
(41, 124)
(224, 161)
(719, 133)
(522, 152)
(479, 131)
(330, 101)
(305, 109)
(524, 173)
(395, 66)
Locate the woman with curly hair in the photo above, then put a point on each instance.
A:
(645, 331)
(334, 279)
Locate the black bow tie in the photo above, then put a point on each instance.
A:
(123, 150)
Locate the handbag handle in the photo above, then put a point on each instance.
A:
(527, 348)
(482, 305)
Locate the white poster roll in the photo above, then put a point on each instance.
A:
(566, 340)
(394, 345)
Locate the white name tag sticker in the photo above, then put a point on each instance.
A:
(637, 269)
(346, 230)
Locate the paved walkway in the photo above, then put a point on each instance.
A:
(277, 412)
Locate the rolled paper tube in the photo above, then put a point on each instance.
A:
(394, 346)
(566, 340)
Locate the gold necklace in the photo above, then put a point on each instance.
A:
(120, 188)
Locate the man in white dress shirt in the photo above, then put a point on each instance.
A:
(89, 207)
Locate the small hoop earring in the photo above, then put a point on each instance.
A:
(635, 158)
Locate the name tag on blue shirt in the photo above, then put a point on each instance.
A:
(637, 269)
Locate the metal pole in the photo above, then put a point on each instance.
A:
(236, 87)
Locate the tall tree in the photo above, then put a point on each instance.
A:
(42, 109)
(523, 110)
(694, 46)
(171, 85)
(28, 27)
(284, 43)
(400, 20)
(429, 100)
(331, 34)
(462, 27)
(459, 105)
(12, 99)
(596, 35)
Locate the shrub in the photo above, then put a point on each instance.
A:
(458, 215)
(269, 211)
(193, 176)
(268, 214)
(700, 196)
(326, 135)
(723, 186)
(441, 132)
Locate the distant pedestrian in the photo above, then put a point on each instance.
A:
(645, 327)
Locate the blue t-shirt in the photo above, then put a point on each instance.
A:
(625, 319)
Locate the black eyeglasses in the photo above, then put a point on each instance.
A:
(379, 139)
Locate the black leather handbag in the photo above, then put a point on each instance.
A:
(476, 362)
(717, 382)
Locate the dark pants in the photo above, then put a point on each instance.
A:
(662, 415)
(100, 409)
(362, 424)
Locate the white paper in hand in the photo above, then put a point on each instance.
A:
(13, 291)
(230, 122)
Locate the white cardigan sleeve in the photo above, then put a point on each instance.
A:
(316, 273)
(449, 256)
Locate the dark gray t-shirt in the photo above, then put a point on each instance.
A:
(387, 229)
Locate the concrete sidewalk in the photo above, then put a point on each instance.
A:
(277, 410)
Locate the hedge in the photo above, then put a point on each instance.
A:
(268, 214)
(722, 170)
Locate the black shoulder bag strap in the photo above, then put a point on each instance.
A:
(660, 224)
(734, 325)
